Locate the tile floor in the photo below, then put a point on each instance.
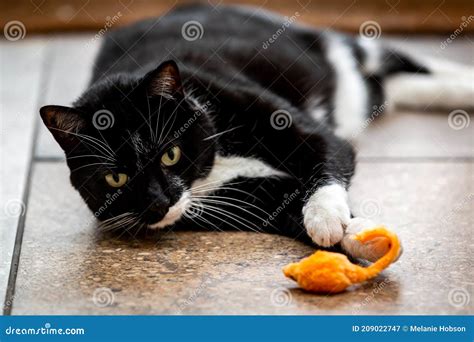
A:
(415, 174)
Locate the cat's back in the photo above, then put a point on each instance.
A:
(200, 35)
(200, 25)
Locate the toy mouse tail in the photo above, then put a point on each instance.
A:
(374, 269)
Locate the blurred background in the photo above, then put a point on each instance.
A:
(414, 16)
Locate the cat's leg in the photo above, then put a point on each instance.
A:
(329, 159)
(323, 164)
(329, 166)
(326, 213)
(415, 81)
(372, 78)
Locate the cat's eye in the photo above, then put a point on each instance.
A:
(116, 180)
(171, 157)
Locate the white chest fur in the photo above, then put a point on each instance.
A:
(226, 169)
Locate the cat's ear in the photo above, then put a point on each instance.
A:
(64, 123)
(164, 80)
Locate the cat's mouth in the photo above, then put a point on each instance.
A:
(175, 212)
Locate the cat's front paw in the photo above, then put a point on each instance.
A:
(372, 250)
(325, 215)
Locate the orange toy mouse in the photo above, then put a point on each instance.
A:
(330, 272)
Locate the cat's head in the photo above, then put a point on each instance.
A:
(134, 146)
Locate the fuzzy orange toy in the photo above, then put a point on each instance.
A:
(330, 272)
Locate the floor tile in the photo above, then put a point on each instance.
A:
(67, 268)
(415, 134)
(21, 68)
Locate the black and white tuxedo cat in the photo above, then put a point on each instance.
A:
(223, 132)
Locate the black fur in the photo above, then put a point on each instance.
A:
(241, 83)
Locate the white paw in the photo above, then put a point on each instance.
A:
(370, 251)
(325, 215)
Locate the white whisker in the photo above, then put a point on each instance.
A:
(158, 119)
(91, 156)
(203, 219)
(98, 143)
(220, 133)
(209, 183)
(216, 198)
(112, 165)
(209, 202)
(231, 215)
(172, 116)
(149, 118)
(214, 210)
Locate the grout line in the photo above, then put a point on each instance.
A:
(49, 159)
(414, 160)
(15, 262)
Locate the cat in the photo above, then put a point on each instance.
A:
(215, 125)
